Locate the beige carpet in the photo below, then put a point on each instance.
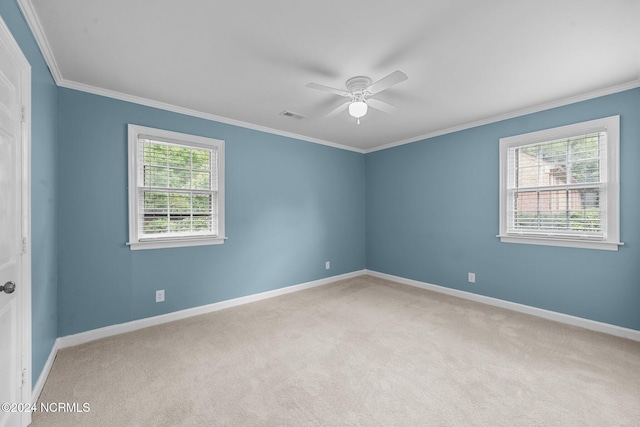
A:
(358, 352)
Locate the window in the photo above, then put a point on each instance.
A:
(176, 189)
(560, 186)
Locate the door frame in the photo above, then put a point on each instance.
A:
(11, 45)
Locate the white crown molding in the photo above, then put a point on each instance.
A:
(34, 23)
(194, 113)
(32, 19)
(38, 31)
(633, 84)
(592, 325)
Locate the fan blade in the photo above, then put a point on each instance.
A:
(386, 82)
(338, 110)
(382, 106)
(327, 89)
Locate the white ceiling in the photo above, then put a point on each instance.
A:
(245, 61)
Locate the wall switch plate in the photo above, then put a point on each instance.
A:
(160, 295)
(327, 265)
(472, 277)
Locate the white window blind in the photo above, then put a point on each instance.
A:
(175, 189)
(560, 186)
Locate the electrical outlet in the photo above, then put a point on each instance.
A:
(160, 295)
(472, 277)
(327, 265)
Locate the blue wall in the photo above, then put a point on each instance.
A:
(43, 189)
(432, 216)
(431, 211)
(290, 206)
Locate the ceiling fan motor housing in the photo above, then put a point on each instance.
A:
(357, 87)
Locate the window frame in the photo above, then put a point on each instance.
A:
(611, 224)
(187, 140)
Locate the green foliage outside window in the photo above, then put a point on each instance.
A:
(178, 197)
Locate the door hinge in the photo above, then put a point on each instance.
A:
(23, 377)
(24, 245)
(23, 114)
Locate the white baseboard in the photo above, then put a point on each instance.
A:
(606, 328)
(83, 337)
(107, 331)
(44, 374)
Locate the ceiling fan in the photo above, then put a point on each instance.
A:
(360, 91)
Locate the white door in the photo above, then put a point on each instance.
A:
(11, 233)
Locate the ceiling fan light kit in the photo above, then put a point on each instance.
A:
(360, 90)
(358, 109)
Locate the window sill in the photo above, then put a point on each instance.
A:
(570, 243)
(175, 243)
